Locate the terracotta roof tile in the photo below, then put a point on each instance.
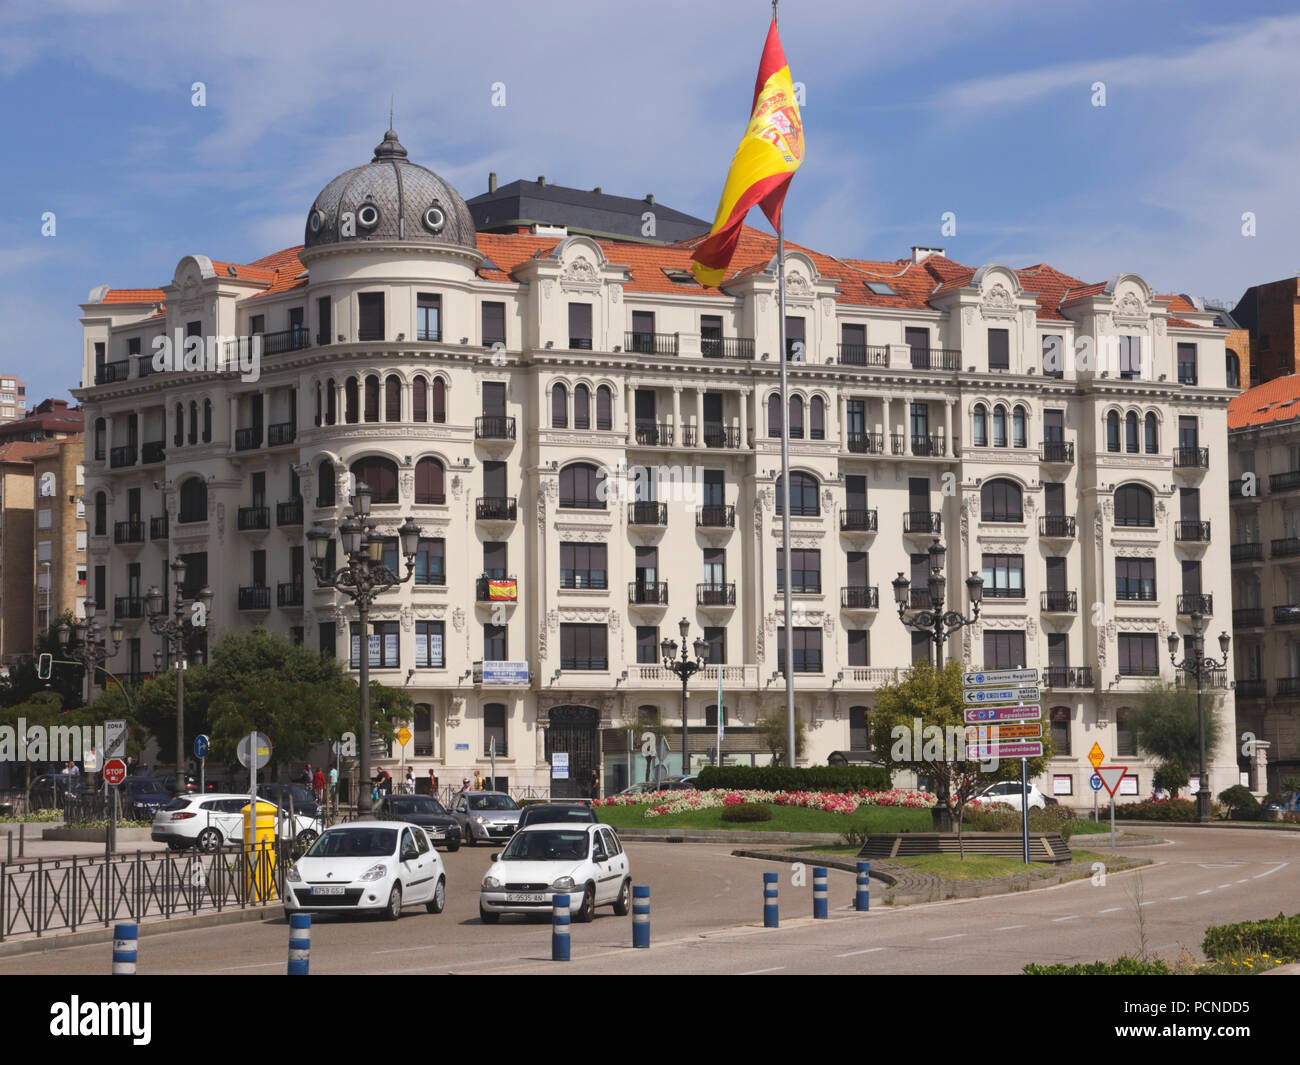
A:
(1265, 403)
(23, 450)
(133, 295)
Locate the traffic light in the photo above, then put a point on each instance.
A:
(44, 664)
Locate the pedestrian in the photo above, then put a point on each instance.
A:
(388, 782)
(464, 787)
(305, 777)
(334, 784)
(433, 783)
(318, 784)
(410, 781)
(478, 780)
(594, 784)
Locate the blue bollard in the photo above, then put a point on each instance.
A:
(126, 938)
(771, 913)
(641, 915)
(299, 943)
(560, 928)
(821, 903)
(862, 898)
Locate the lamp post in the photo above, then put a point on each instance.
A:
(1199, 666)
(685, 667)
(175, 630)
(363, 577)
(92, 651)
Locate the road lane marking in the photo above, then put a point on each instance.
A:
(1205, 892)
(1222, 886)
(1175, 898)
(1271, 871)
(404, 950)
(1112, 909)
(955, 935)
(1243, 880)
(755, 972)
(1149, 902)
(855, 953)
(1010, 927)
(1072, 917)
(259, 965)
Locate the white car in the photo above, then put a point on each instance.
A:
(210, 821)
(585, 862)
(1008, 791)
(375, 866)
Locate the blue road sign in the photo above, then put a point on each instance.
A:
(201, 743)
(1094, 782)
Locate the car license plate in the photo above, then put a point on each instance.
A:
(525, 896)
(329, 889)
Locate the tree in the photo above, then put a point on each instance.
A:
(1165, 726)
(919, 724)
(44, 709)
(1173, 778)
(21, 682)
(774, 731)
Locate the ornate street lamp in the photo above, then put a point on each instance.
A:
(937, 621)
(685, 668)
(1197, 665)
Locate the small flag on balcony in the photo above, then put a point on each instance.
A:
(503, 590)
(770, 152)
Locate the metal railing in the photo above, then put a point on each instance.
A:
(864, 354)
(1196, 603)
(288, 593)
(1237, 488)
(1247, 616)
(128, 606)
(256, 597)
(483, 590)
(294, 339)
(727, 347)
(1192, 531)
(1067, 677)
(1057, 602)
(250, 519)
(122, 456)
(719, 435)
(495, 508)
(1284, 482)
(1247, 552)
(647, 513)
(716, 516)
(494, 427)
(858, 520)
(1288, 545)
(936, 358)
(158, 528)
(716, 594)
(650, 343)
(278, 433)
(289, 512)
(1252, 689)
(248, 439)
(153, 451)
(654, 434)
(128, 532)
(927, 444)
(1060, 452)
(1057, 525)
(112, 372)
(922, 521)
(864, 443)
(860, 597)
(1287, 615)
(651, 592)
(1191, 457)
(428, 334)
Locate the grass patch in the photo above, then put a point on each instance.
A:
(784, 819)
(1092, 828)
(838, 850)
(975, 867)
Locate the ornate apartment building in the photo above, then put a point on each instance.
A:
(579, 417)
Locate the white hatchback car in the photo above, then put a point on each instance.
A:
(209, 821)
(1008, 791)
(585, 862)
(375, 866)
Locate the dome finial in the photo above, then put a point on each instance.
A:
(390, 148)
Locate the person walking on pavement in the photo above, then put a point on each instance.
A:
(409, 787)
(433, 784)
(318, 784)
(594, 784)
(478, 780)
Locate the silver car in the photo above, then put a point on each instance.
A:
(485, 815)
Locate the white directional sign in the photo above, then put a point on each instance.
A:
(1004, 750)
(999, 676)
(979, 715)
(978, 696)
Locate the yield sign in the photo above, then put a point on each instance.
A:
(1096, 756)
(1111, 775)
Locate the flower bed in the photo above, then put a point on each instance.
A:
(675, 802)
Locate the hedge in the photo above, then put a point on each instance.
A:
(794, 778)
(1154, 810)
(1278, 937)
(747, 811)
(1123, 966)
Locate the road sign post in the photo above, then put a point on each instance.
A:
(1024, 804)
(114, 774)
(1110, 776)
(201, 744)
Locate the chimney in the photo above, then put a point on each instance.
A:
(919, 253)
(492, 181)
(596, 190)
(650, 198)
(541, 180)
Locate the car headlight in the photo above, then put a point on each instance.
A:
(479, 818)
(563, 883)
(375, 872)
(294, 875)
(491, 882)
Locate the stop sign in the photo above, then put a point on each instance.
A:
(114, 771)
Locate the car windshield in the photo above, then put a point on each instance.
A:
(416, 804)
(546, 845)
(355, 843)
(540, 815)
(492, 802)
(147, 787)
(178, 804)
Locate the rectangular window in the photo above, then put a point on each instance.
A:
(711, 335)
(716, 638)
(805, 570)
(1053, 356)
(326, 639)
(1135, 578)
(859, 647)
(583, 565)
(580, 326)
(922, 647)
(430, 561)
(370, 316)
(1139, 655)
(999, 349)
(796, 344)
(493, 323)
(807, 650)
(496, 647)
(325, 334)
(1004, 650)
(1187, 364)
(1004, 576)
(429, 651)
(428, 316)
(101, 581)
(647, 645)
(383, 645)
(583, 647)
(1130, 357)
(494, 730)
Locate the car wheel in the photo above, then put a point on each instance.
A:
(486, 916)
(439, 900)
(209, 841)
(307, 837)
(588, 910)
(394, 909)
(623, 904)
(453, 847)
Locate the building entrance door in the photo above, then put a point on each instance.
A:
(574, 731)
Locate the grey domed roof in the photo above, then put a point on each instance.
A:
(390, 199)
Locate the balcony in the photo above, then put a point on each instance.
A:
(650, 343)
(715, 516)
(936, 358)
(280, 433)
(1244, 487)
(727, 347)
(494, 427)
(897, 444)
(112, 372)
(718, 435)
(428, 334)
(930, 445)
(858, 521)
(919, 598)
(1253, 688)
(1287, 615)
(496, 589)
(1057, 452)
(1246, 617)
(579, 343)
(158, 529)
(654, 434)
(294, 339)
(1067, 677)
(1191, 458)
(862, 443)
(863, 354)
(1196, 603)
(128, 606)
(1192, 531)
(647, 513)
(153, 451)
(647, 593)
(1058, 602)
(1288, 687)
(716, 594)
(257, 597)
(1056, 526)
(1211, 678)
(859, 597)
(253, 519)
(122, 456)
(1286, 547)
(128, 532)
(248, 439)
(496, 508)
(288, 593)
(1247, 552)
(922, 522)
(1284, 482)
(289, 512)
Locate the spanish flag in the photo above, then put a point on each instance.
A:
(770, 152)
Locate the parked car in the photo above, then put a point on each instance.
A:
(557, 814)
(376, 866)
(49, 790)
(168, 781)
(425, 811)
(304, 801)
(485, 815)
(208, 822)
(585, 862)
(1008, 792)
(142, 797)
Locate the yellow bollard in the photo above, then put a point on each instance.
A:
(259, 848)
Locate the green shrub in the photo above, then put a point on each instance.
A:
(1153, 810)
(1002, 818)
(1241, 804)
(1121, 966)
(747, 811)
(1278, 937)
(840, 778)
(1170, 776)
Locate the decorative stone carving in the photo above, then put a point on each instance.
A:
(1031, 628)
(548, 287)
(580, 271)
(616, 293)
(998, 298)
(553, 620)
(797, 285)
(408, 618)
(407, 479)
(762, 302)
(758, 517)
(1160, 327)
(615, 622)
(1129, 306)
(828, 623)
(221, 521)
(457, 486)
(969, 314)
(458, 619)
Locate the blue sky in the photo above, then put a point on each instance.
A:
(911, 111)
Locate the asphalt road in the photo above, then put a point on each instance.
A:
(707, 916)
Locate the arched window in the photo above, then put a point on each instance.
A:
(999, 426)
(1060, 718)
(420, 400)
(439, 400)
(774, 414)
(1131, 432)
(331, 402)
(559, 406)
(1019, 428)
(207, 421)
(429, 482)
(796, 417)
(1233, 370)
(1112, 431)
(393, 398)
(194, 500)
(604, 408)
(372, 398)
(1001, 500)
(101, 513)
(980, 425)
(1134, 506)
(178, 438)
(581, 486)
(325, 485)
(194, 422)
(817, 418)
(351, 412)
(581, 407)
(804, 497)
(1152, 434)
(380, 475)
